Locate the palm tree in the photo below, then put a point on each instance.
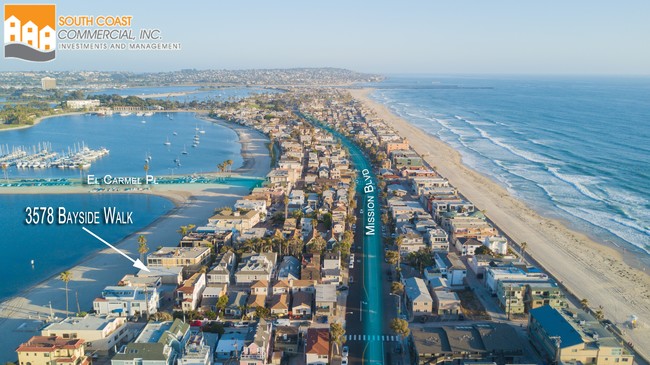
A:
(142, 246)
(600, 315)
(229, 164)
(336, 333)
(146, 170)
(584, 303)
(523, 246)
(65, 277)
(80, 166)
(286, 205)
(398, 242)
(4, 170)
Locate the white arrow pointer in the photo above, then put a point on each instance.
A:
(136, 263)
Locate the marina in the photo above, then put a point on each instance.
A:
(123, 147)
(79, 156)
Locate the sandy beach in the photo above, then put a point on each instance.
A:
(588, 269)
(195, 203)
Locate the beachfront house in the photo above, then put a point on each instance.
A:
(189, 258)
(467, 246)
(497, 244)
(127, 301)
(100, 332)
(574, 336)
(228, 220)
(46, 350)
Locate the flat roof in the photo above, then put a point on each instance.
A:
(90, 322)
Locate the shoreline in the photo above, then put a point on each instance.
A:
(92, 273)
(38, 120)
(588, 269)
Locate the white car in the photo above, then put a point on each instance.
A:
(345, 351)
(344, 361)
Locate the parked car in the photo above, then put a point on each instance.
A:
(344, 361)
(345, 351)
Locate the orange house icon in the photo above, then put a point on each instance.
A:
(30, 26)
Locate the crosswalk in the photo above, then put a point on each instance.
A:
(368, 338)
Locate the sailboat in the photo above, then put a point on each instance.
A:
(167, 143)
(184, 151)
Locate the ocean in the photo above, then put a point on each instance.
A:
(55, 248)
(573, 148)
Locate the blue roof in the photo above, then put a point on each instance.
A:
(556, 325)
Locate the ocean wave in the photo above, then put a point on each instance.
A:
(606, 222)
(526, 155)
(577, 181)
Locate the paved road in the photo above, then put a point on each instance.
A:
(366, 303)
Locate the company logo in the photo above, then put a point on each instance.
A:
(30, 32)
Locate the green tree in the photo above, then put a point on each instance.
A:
(336, 334)
(317, 245)
(397, 288)
(295, 246)
(5, 166)
(400, 326)
(483, 250)
(392, 257)
(262, 312)
(66, 276)
(222, 302)
(161, 316)
(184, 230)
(142, 246)
(584, 302)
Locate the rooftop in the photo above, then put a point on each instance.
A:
(49, 344)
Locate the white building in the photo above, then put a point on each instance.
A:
(495, 274)
(451, 268)
(82, 104)
(126, 301)
(101, 332)
(257, 205)
(497, 244)
(30, 34)
(189, 294)
(12, 30)
(418, 299)
(47, 39)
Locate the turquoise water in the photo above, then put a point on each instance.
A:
(573, 148)
(55, 248)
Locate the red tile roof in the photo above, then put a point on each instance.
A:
(318, 341)
(49, 344)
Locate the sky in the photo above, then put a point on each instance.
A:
(387, 37)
